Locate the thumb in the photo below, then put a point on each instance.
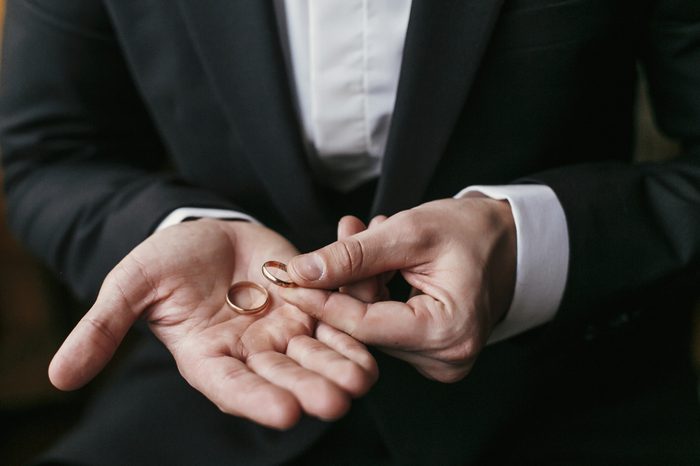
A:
(97, 335)
(354, 258)
(367, 290)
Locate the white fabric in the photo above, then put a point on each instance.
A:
(178, 215)
(543, 254)
(346, 58)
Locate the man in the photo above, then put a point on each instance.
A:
(118, 115)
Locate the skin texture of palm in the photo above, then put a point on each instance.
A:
(270, 367)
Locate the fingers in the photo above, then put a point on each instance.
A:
(237, 390)
(369, 289)
(385, 323)
(317, 395)
(91, 344)
(311, 377)
(390, 245)
(348, 347)
(315, 356)
(386, 276)
(403, 330)
(349, 225)
(338, 357)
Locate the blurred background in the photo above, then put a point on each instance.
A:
(36, 312)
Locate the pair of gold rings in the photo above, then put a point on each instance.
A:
(238, 286)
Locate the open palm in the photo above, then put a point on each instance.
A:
(269, 367)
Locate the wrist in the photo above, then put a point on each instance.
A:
(503, 258)
(542, 254)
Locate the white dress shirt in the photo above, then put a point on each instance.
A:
(346, 57)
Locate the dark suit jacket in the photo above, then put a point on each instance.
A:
(115, 112)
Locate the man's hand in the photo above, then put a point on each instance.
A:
(458, 254)
(268, 367)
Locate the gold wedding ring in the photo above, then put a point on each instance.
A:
(247, 310)
(277, 281)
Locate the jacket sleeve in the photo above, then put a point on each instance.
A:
(634, 229)
(84, 170)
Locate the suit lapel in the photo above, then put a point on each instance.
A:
(240, 48)
(242, 55)
(444, 45)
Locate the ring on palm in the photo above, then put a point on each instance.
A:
(252, 309)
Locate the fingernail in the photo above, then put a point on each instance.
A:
(309, 267)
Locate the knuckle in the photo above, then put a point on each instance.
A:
(130, 285)
(102, 328)
(303, 347)
(412, 220)
(418, 229)
(350, 255)
(326, 305)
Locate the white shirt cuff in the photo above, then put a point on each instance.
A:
(542, 255)
(178, 215)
